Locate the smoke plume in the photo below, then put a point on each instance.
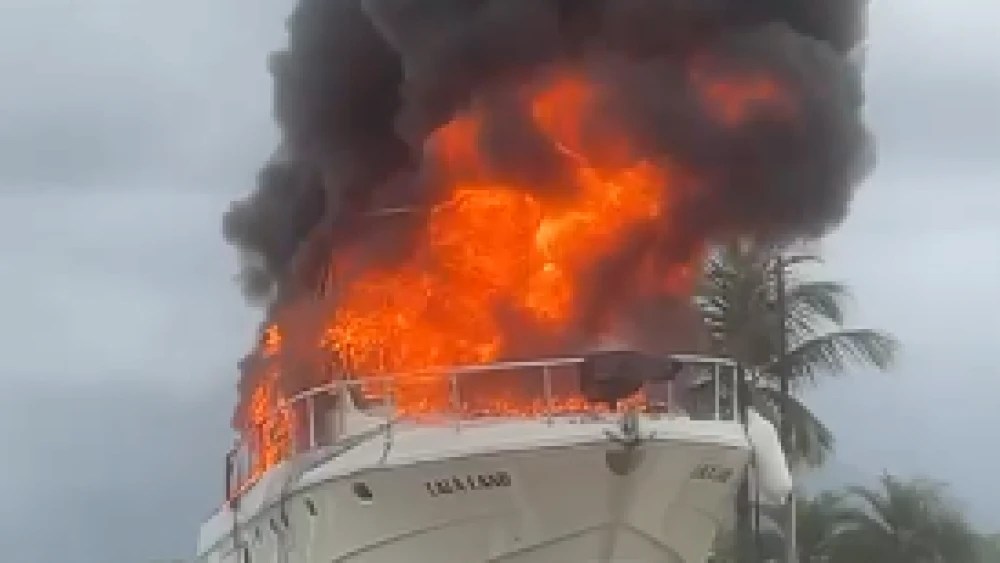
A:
(363, 85)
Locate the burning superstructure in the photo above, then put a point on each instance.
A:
(562, 166)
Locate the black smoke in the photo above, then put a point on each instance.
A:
(363, 83)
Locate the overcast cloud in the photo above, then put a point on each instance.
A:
(126, 127)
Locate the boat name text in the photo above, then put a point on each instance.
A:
(467, 483)
(712, 472)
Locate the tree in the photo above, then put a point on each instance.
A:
(738, 299)
(784, 330)
(989, 549)
(818, 523)
(904, 521)
(726, 548)
(899, 521)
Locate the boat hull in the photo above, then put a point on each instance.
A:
(655, 500)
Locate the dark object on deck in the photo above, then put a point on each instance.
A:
(608, 377)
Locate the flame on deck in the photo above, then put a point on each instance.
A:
(492, 247)
(491, 251)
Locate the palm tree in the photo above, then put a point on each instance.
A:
(904, 522)
(819, 520)
(738, 299)
(784, 330)
(901, 522)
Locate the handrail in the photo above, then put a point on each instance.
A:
(441, 371)
(454, 375)
(694, 359)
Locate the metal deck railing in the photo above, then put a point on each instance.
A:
(547, 390)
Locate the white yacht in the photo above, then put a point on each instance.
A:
(609, 457)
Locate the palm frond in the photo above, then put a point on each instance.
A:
(738, 298)
(833, 352)
(905, 521)
(818, 298)
(956, 539)
(875, 513)
(812, 441)
(797, 258)
(819, 522)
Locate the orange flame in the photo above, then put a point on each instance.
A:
(271, 342)
(492, 246)
(268, 419)
(271, 423)
(492, 249)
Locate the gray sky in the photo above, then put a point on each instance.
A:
(127, 126)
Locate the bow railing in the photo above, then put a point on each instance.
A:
(550, 390)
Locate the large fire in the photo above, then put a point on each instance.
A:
(492, 251)
(491, 247)
(268, 420)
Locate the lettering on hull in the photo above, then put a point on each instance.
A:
(467, 483)
(712, 472)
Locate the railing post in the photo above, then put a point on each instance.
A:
(231, 477)
(343, 396)
(455, 405)
(735, 392)
(311, 417)
(547, 390)
(671, 399)
(244, 465)
(718, 392)
(388, 400)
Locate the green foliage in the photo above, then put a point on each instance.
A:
(899, 521)
(818, 521)
(738, 299)
(904, 521)
(988, 549)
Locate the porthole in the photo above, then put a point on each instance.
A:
(257, 535)
(311, 507)
(363, 492)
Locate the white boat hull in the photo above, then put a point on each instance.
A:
(547, 493)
